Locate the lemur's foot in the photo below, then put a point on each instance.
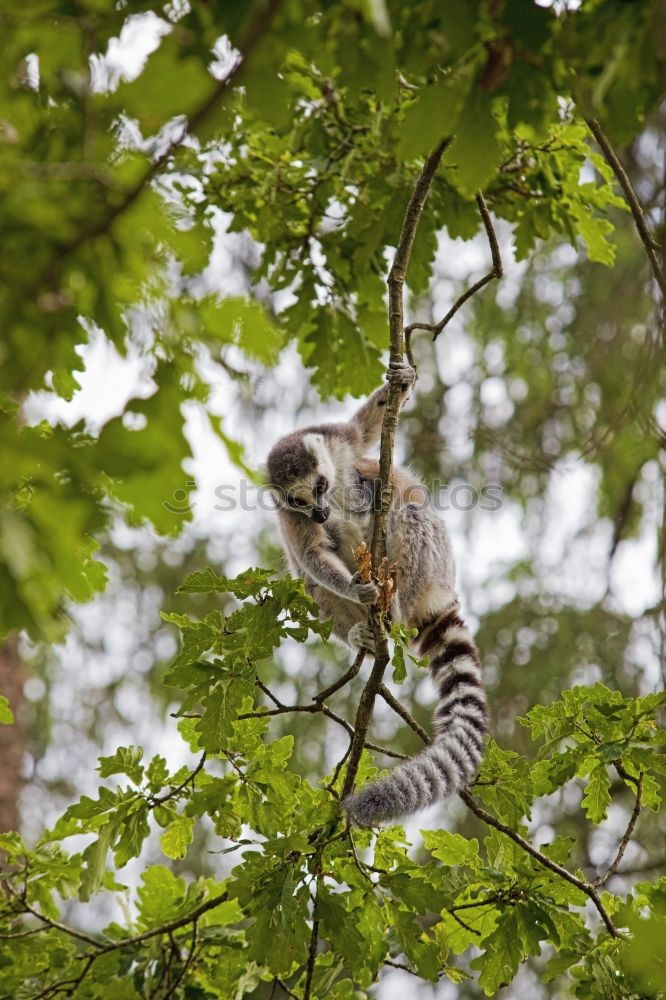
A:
(402, 373)
(361, 636)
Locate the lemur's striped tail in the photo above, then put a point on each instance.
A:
(460, 723)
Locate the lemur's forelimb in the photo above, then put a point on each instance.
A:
(370, 416)
(325, 568)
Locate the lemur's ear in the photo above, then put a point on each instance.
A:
(264, 483)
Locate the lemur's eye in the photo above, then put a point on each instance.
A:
(321, 485)
(297, 502)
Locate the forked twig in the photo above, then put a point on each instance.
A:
(349, 675)
(496, 271)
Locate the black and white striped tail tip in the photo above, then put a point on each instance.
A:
(444, 768)
(460, 722)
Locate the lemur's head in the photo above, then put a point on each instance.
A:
(301, 473)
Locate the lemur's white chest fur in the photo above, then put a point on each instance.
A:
(347, 532)
(352, 501)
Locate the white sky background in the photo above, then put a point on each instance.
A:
(573, 559)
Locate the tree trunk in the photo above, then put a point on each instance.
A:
(12, 738)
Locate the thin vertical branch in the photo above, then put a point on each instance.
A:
(396, 284)
(312, 955)
(662, 575)
(628, 834)
(648, 240)
(171, 992)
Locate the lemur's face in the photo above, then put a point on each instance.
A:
(303, 473)
(308, 496)
(308, 493)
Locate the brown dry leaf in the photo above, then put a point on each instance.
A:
(363, 560)
(386, 581)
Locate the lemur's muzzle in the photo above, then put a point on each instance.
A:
(320, 514)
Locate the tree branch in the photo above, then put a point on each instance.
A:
(156, 800)
(651, 246)
(68, 985)
(346, 677)
(628, 833)
(401, 966)
(171, 992)
(25, 907)
(318, 707)
(587, 887)
(172, 925)
(102, 948)
(640, 869)
(312, 955)
(396, 283)
(350, 729)
(283, 986)
(496, 271)
(403, 713)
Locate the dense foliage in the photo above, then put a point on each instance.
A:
(305, 128)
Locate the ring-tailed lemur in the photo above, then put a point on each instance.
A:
(325, 490)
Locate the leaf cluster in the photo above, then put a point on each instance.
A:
(302, 875)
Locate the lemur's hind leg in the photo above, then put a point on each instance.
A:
(419, 546)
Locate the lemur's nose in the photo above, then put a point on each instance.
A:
(320, 514)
